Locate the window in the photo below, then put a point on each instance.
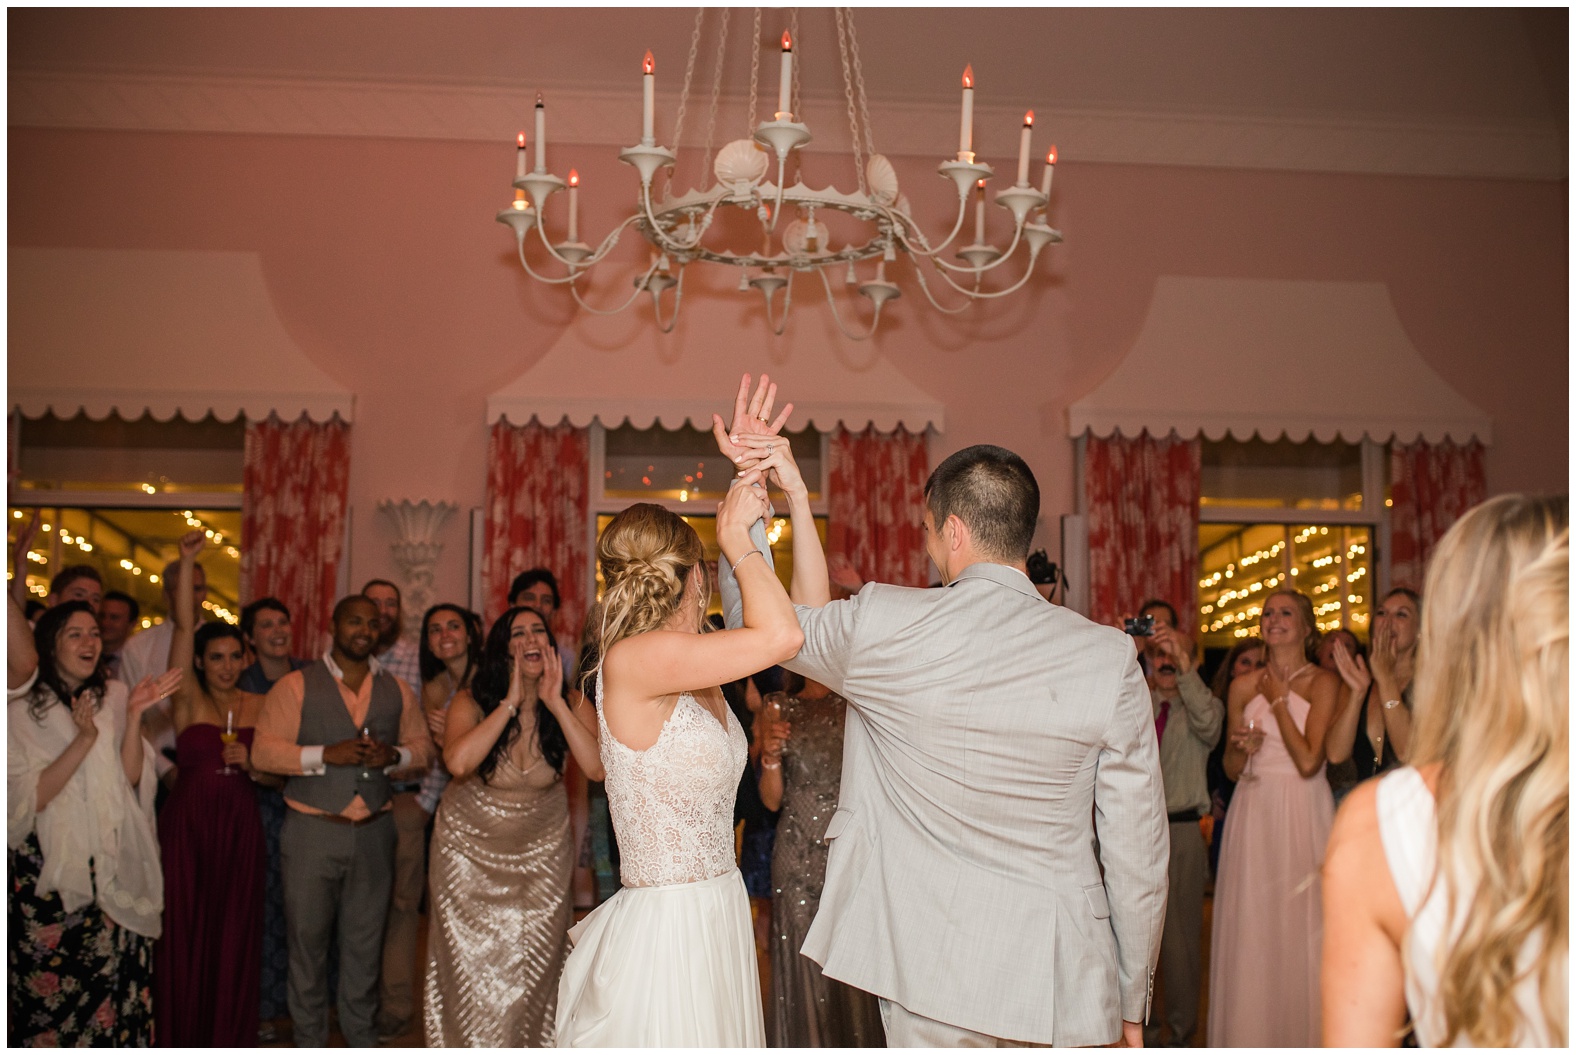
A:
(117, 495)
(1273, 514)
(681, 470)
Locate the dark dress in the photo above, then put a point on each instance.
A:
(810, 1010)
(212, 843)
(1362, 765)
(77, 979)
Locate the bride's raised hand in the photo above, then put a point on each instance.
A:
(752, 415)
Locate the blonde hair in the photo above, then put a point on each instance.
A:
(1491, 699)
(1304, 606)
(646, 555)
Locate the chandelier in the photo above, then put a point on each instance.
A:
(753, 174)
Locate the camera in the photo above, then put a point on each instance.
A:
(1042, 572)
(1140, 626)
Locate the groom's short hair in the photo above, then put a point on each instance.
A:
(992, 491)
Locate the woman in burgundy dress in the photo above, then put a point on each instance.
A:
(206, 966)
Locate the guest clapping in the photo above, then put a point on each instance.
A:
(1447, 880)
(1373, 721)
(1267, 914)
(87, 893)
(502, 850)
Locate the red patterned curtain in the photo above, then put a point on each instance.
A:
(1142, 500)
(294, 487)
(536, 517)
(876, 504)
(1431, 485)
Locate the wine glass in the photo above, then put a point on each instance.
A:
(227, 738)
(1256, 740)
(366, 736)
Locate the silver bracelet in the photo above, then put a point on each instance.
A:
(735, 566)
(1391, 705)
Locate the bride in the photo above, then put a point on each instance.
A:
(670, 959)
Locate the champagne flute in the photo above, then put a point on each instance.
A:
(1255, 738)
(366, 737)
(227, 738)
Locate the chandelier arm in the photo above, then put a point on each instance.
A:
(983, 268)
(656, 305)
(976, 294)
(926, 250)
(837, 316)
(779, 328)
(595, 258)
(924, 286)
(666, 241)
(640, 287)
(540, 278)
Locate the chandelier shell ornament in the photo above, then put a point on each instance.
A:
(882, 178)
(740, 162)
(799, 236)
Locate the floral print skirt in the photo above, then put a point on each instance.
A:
(77, 979)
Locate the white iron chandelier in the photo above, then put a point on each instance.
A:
(678, 225)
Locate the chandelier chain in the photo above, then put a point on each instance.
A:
(859, 81)
(793, 28)
(689, 78)
(848, 93)
(755, 76)
(716, 96)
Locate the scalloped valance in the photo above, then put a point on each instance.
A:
(1272, 358)
(162, 332)
(642, 381)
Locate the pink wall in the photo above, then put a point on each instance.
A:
(388, 271)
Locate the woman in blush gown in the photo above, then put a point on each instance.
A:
(211, 835)
(1268, 918)
(669, 960)
(502, 849)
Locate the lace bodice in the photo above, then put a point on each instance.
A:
(672, 803)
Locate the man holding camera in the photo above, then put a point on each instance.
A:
(1188, 720)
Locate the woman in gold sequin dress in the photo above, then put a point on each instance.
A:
(502, 847)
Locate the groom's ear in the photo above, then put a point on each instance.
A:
(956, 533)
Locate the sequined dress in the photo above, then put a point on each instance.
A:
(499, 908)
(669, 960)
(810, 1010)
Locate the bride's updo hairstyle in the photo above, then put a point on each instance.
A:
(646, 555)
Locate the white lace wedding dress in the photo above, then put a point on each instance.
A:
(669, 960)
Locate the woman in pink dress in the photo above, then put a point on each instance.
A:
(1264, 956)
(207, 965)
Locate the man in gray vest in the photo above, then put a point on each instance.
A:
(334, 728)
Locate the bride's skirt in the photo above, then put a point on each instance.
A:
(666, 966)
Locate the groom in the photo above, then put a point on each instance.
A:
(998, 857)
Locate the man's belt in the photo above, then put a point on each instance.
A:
(404, 786)
(336, 818)
(1184, 817)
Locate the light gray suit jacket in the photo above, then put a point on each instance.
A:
(999, 852)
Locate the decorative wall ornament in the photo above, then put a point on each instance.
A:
(416, 551)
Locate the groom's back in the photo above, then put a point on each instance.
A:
(989, 732)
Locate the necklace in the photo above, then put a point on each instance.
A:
(1289, 678)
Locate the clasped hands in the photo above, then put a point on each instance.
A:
(361, 751)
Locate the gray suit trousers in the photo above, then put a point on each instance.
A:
(1181, 959)
(335, 874)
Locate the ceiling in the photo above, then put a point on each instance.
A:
(1449, 92)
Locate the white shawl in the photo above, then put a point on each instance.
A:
(97, 816)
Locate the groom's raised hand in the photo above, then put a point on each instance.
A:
(752, 416)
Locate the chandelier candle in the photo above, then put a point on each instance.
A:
(1023, 149)
(574, 206)
(541, 134)
(785, 82)
(519, 156)
(979, 215)
(966, 134)
(1050, 170)
(648, 115)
